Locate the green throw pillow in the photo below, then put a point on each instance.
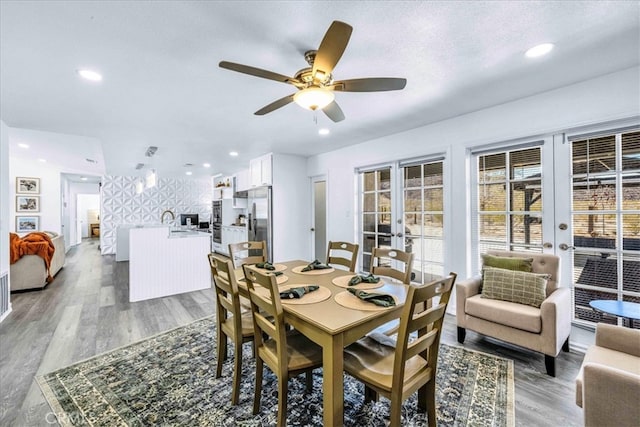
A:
(517, 264)
(514, 286)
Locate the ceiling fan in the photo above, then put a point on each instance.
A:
(315, 83)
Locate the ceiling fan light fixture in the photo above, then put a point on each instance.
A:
(314, 97)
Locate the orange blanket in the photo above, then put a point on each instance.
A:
(32, 244)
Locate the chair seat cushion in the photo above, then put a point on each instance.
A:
(506, 313)
(611, 358)
(301, 351)
(372, 361)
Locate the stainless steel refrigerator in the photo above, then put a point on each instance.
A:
(259, 219)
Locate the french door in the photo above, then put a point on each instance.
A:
(603, 260)
(577, 196)
(402, 207)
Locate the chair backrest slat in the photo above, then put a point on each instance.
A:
(427, 323)
(268, 315)
(251, 252)
(226, 288)
(343, 249)
(380, 254)
(421, 344)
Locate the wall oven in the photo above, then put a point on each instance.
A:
(216, 221)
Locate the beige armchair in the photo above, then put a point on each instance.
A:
(608, 384)
(545, 329)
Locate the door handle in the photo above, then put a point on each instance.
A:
(565, 247)
(312, 229)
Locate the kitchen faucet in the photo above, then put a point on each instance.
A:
(170, 212)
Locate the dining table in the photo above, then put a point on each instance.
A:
(330, 324)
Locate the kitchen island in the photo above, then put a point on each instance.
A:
(164, 262)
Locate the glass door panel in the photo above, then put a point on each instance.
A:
(412, 222)
(377, 212)
(605, 224)
(423, 201)
(509, 197)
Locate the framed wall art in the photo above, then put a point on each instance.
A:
(26, 185)
(27, 203)
(27, 224)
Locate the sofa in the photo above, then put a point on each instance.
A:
(608, 384)
(29, 272)
(545, 329)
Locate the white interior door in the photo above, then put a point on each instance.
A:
(319, 218)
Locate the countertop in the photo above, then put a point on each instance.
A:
(188, 234)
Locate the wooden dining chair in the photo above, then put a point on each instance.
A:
(231, 322)
(345, 254)
(397, 369)
(381, 260)
(251, 252)
(286, 352)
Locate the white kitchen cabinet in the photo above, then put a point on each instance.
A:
(242, 180)
(232, 234)
(260, 171)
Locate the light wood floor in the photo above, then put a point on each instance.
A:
(86, 311)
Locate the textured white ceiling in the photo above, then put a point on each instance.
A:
(162, 84)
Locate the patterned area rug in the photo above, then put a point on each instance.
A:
(169, 379)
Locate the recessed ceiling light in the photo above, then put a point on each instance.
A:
(84, 178)
(539, 50)
(233, 153)
(90, 75)
(206, 165)
(42, 160)
(323, 131)
(21, 145)
(189, 173)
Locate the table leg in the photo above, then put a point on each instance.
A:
(333, 387)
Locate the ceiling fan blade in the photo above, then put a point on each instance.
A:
(258, 72)
(274, 105)
(331, 48)
(375, 84)
(334, 112)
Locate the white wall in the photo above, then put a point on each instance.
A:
(5, 183)
(64, 154)
(610, 97)
(291, 208)
(121, 205)
(49, 192)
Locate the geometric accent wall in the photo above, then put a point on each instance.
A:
(121, 205)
